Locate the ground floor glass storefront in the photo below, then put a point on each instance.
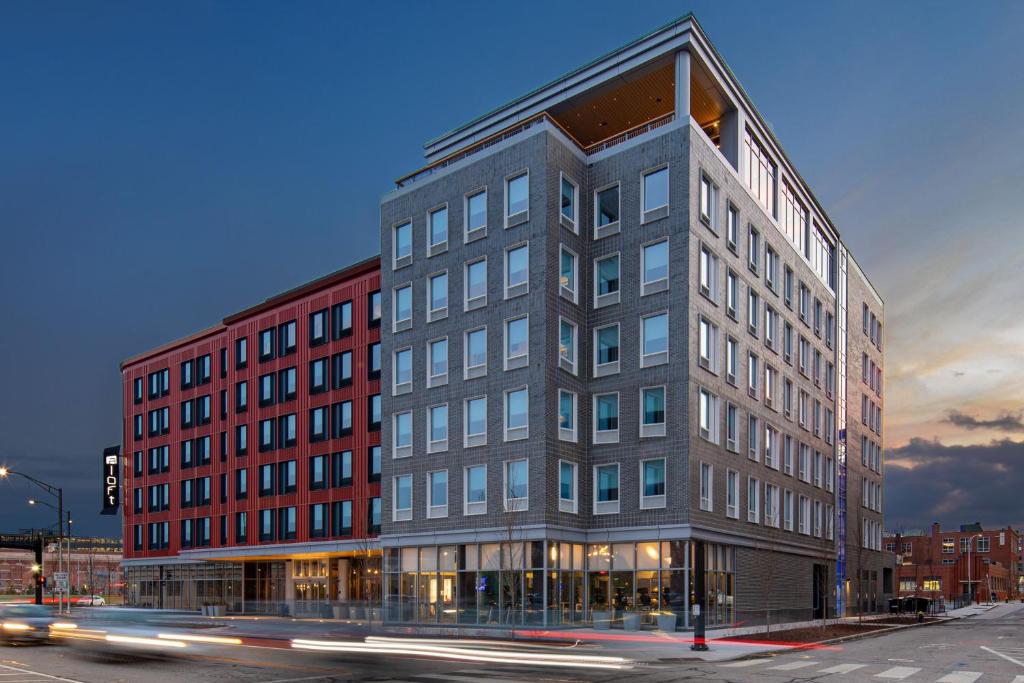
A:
(299, 587)
(554, 583)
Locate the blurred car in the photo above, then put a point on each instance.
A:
(125, 632)
(24, 623)
(90, 601)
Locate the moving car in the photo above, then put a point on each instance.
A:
(24, 623)
(90, 601)
(119, 632)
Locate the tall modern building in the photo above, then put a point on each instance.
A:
(626, 365)
(619, 330)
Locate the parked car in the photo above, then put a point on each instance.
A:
(90, 601)
(24, 623)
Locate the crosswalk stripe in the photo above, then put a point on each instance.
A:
(467, 679)
(842, 668)
(791, 666)
(1018, 679)
(745, 662)
(960, 677)
(898, 672)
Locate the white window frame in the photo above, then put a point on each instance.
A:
(709, 273)
(732, 490)
(660, 284)
(569, 223)
(654, 429)
(473, 371)
(566, 292)
(521, 432)
(607, 435)
(471, 440)
(520, 288)
(403, 451)
(711, 432)
(656, 501)
(609, 298)
(471, 304)
(400, 324)
(706, 497)
(437, 511)
(515, 504)
(521, 360)
(648, 360)
(520, 217)
(615, 226)
(440, 379)
(570, 435)
(402, 514)
(608, 507)
(732, 436)
(476, 507)
(399, 388)
(709, 360)
(439, 445)
(611, 367)
(754, 507)
(435, 248)
(435, 314)
(570, 365)
(469, 235)
(396, 260)
(564, 504)
(655, 212)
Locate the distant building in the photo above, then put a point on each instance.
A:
(935, 564)
(94, 570)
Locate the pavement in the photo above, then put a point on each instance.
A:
(984, 647)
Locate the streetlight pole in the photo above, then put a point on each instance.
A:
(970, 590)
(62, 565)
(56, 491)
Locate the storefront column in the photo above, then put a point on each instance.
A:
(344, 569)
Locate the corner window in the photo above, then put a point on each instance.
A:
(606, 418)
(655, 194)
(654, 266)
(606, 281)
(517, 485)
(654, 340)
(402, 244)
(517, 199)
(568, 208)
(606, 489)
(476, 215)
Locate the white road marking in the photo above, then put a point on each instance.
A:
(791, 666)
(745, 662)
(304, 678)
(898, 672)
(1018, 679)
(468, 679)
(842, 668)
(1000, 654)
(36, 673)
(960, 677)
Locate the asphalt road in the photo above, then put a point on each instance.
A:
(988, 648)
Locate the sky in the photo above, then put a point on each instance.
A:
(165, 164)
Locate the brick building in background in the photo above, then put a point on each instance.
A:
(252, 454)
(935, 564)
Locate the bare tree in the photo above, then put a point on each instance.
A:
(511, 560)
(769, 546)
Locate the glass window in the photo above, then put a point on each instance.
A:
(403, 429)
(476, 348)
(517, 337)
(567, 271)
(568, 199)
(403, 240)
(403, 492)
(760, 173)
(516, 479)
(608, 275)
(518, 194)
(476, 416)
(607, 412)
(403, 303)
(439, 226)
(516, 408)
(566, 410)
(655, 334)
(375, 307)
(607, 209)
(567, 481)
(476, 280)
(476, 484)
(438, 292)
(403, 366)
(655, 186)
(653, 405)
(654, 477)
(655, 262)
(607, 346)
(607, 483)
(517, 266)
(567, 342)
(439, 423)
(439, 488)
(476, 211)
(439, 358)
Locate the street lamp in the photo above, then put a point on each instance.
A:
(970, 590)
(55, 491)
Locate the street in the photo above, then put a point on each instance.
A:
(987, 648)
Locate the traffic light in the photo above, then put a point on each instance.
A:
(42, 580)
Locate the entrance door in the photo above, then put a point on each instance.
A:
(820, 595)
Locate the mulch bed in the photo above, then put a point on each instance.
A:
(813, 634)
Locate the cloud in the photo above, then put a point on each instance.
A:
(927, 481)
(1005, 422)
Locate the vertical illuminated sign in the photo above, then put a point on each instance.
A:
(111, 480)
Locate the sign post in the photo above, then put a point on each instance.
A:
(60, 583)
